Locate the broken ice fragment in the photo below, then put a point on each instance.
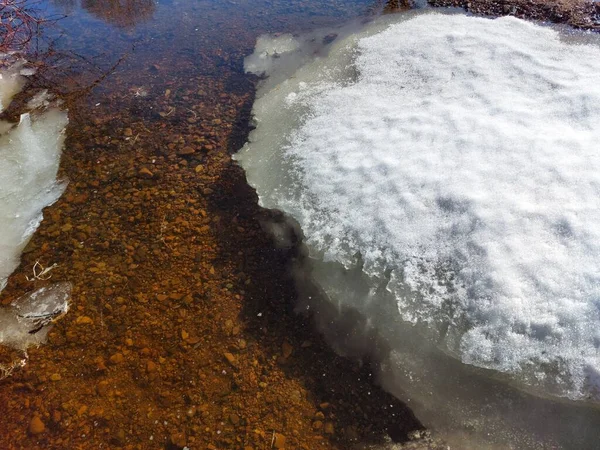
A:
(24, 322)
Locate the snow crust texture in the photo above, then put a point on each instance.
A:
(458, 159)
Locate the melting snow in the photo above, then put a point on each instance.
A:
(459, 157)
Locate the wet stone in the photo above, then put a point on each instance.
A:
(230, 358)
(279, 441)
(185, 151)
(144, 172)
(329, 428)
(36, 426)
(117, 358)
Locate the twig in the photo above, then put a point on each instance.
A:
(40, 272)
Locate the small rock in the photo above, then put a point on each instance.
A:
(128, 132)
(329, 429)
(317, 425)
(55, 377)
(278, 441)
(230, 358)
(117, 358)
(178, 439)
(119, 437)
(185, 151)
(228, 327)
(235, 419)
(145, 173)
(36, 426)
(150, 367)
(102, 388)
(286, 349)
(84, 320)
(100, 364)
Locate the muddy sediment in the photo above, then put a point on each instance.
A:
(181, 331)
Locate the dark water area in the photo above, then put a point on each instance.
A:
(181, 332)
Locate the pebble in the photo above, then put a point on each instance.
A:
(150, 366)
(230, 358)
(185, 151)
(117, 358)
(286, 349)
(102, 388)
(84, 320)
(36, 426)
(145, 173)
(55, 377)
(178, 439)
(278, 440)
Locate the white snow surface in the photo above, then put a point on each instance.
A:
(459, 156)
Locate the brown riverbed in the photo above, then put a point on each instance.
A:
(181, 330)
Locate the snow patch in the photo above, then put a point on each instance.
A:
(453, 161)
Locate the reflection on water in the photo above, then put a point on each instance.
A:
(122, 13)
